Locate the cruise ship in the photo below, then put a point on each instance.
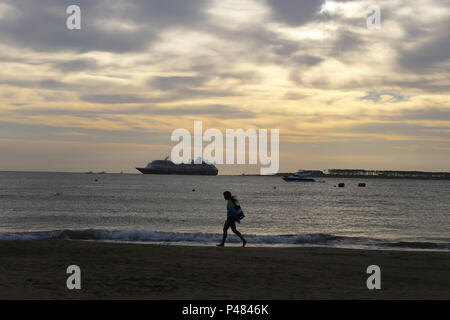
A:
(168, 167)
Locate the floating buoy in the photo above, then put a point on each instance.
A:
(341, 185)
(96, 180)
(274, 188)
(361, 184)
(193, 190)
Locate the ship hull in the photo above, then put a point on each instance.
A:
(174, 171)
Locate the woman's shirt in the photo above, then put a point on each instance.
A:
(231, 210)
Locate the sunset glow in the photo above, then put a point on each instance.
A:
(108, 96)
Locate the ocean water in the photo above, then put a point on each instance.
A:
(389, 214)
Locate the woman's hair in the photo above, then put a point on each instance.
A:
(227, 195)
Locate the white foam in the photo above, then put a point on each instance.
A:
(199, 237)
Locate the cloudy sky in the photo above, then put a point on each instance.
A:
(108, 96)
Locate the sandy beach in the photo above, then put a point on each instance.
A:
(37, 270)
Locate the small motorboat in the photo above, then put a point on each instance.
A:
(299, 176)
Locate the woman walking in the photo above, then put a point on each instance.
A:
(233, 210)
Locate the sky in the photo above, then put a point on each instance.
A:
(107, 97)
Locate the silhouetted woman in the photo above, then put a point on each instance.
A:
(232, 213)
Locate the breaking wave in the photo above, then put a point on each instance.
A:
(198, 237)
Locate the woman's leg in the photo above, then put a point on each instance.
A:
(233, 228)
(226, 225)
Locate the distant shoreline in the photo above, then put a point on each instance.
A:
(375, 177)
(397, 175)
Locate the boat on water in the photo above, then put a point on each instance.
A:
(299, 176)
(166, 166)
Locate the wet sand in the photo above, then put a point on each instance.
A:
(37, 270)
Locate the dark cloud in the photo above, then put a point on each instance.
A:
(428, 55)
(219, 111)
(376, 96)
(115, 98)
(431, 113)
(77, 65)
(200, 83)
(39, 84)
(176, 82)
(345, 42)
(170, 96)
(17, 104)
(176, 88)
(295, 96)
(243, 77)
(41, 24)
(400, 128)
(428, 85)
(134, 134)
(394, 116)
(295, 12)
(306, 60)
(60, 85)
(168, 13)
(222, 111)
(433, 40)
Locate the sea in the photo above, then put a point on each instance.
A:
(390, 214)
